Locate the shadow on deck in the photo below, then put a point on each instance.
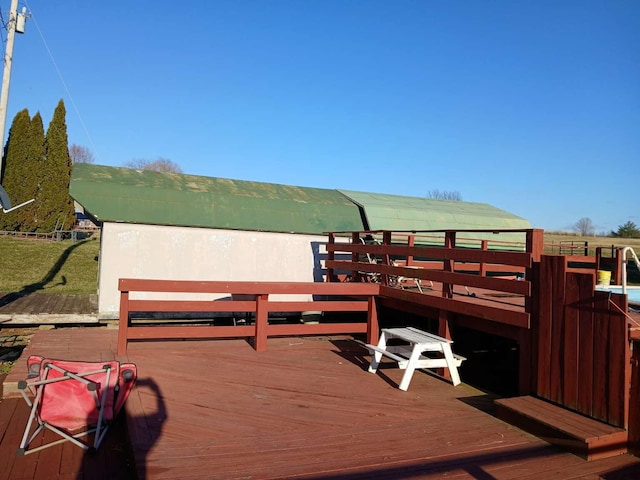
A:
(305, 408)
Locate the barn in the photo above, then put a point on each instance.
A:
(186, 227)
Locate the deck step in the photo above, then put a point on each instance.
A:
(581, 435)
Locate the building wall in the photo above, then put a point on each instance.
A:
(178, 253)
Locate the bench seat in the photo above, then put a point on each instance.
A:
(401, 353)
(419, 350)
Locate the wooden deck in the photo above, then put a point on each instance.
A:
(38, 308)
(306, 409)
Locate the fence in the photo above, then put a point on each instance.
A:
(335, 298)
(582, 344)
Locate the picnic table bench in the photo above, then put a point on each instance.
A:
(411, 354)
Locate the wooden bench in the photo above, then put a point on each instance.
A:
(579, 434)
(411, 354)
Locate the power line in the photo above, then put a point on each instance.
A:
(64, 84)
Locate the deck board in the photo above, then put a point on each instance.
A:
(306, 408)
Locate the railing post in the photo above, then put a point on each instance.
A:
(535, 247)
(355, 257)
(373, 328)
(445, 332)
(262, 320)
(535, 243)
(386, 258)
(411, 242)
(123, 323)
(598, 259)
(619, 265)
(330, 256)
(482, 268)
(448, 265)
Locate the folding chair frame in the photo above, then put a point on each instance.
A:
(39, 369)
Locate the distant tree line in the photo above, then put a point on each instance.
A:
(160, 164)
(585, 227)
(37, 165)
(444, 195)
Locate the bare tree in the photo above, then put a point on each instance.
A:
(584, 226)
(444, 195)
(163, 165)
(80, 154)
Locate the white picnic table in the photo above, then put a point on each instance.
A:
(410, 355)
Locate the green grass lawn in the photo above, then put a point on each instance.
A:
(38, 265)
(48, 266)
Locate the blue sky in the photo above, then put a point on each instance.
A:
(530, 106)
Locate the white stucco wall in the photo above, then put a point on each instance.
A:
(176, 253)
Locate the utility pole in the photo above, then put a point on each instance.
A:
(15, 25)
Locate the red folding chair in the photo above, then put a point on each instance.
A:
(73, 399)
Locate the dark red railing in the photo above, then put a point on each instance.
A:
(504, 268)
(356, 297)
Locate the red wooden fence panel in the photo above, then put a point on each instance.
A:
(559, 272)
(571, 347)
(600, 358)
(583, 344)
(551, 269)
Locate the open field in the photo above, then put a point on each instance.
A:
(553, 240)
(567, 244)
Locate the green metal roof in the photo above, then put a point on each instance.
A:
(399, 213)
(395, 212)
(137, 196)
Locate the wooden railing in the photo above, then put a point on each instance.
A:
(505, 272)
(338, 298)
(484, 260)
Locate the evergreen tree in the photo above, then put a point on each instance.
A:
(17, 180)
(628, 230)
(55, 206)
(32, 167)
